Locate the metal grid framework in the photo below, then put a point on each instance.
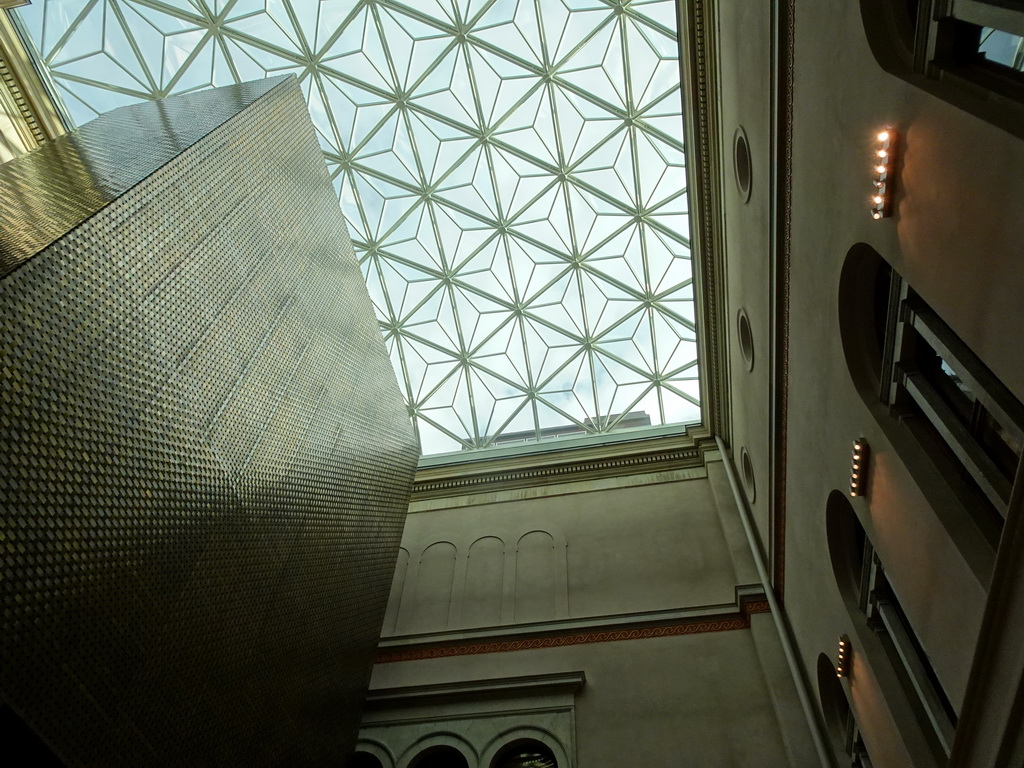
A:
(512, 174)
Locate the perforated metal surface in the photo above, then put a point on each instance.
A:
(207, 460)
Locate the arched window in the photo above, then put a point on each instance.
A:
(969, 53)
(525, 753)
(439, 757)
(364, 760)
(849, 549)
(940, 404)
(835, 707)
(872, 602)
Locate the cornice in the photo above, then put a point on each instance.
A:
(432, 694)
(586, 463)
(23, 90)
(717, 618)
(699, 63)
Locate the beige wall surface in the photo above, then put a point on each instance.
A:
(695, 701)
(745, 70)
(705, 698)
(955, 236)
(584, 554)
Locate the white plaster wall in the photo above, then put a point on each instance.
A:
(955, 236)
(582, 554)
(700, 701)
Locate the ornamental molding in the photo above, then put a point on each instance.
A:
(689, 450)
(22, 91)
(524, 685)
(699, 62)
(749, 600)
(783, 33)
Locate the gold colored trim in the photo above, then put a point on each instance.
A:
(22, 93)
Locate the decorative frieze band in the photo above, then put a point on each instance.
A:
(747, 604)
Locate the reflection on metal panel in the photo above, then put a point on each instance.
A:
(207, 462)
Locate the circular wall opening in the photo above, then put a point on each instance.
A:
(747, 472)
(741, 163)
(745, 338)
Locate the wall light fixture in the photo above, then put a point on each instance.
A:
(859, 467)
(886, 144)
(844, 657)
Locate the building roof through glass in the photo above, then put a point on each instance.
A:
(512, 174)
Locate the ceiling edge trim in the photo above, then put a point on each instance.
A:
(689, 450)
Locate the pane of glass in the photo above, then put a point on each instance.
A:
(512, 173)
(998, 443)
(1002, 48)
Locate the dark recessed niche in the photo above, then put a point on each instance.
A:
(741, 162)
(747, 473)
(440, 757)
(745, 338)
(834, 705)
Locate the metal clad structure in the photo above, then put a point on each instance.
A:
(207, 461)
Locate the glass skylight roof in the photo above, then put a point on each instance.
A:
(512, 174)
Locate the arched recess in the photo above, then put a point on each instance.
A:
(846, 547)
(541, 577)
(938, 48)
(870, 300)
(886, 644)
(525, 753)
(864, 286)
(485, 579)
(369, 751)
(509, 739)
(889, 28)
(835, 707)
(439, 750)
(433, 589)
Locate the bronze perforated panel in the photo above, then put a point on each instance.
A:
(207, 461)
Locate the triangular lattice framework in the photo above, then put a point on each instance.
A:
(512, 173)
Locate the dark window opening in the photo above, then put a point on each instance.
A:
(526, 753)
(967, 420)
(439, 757)
(968, 53)
(364, 760)
(935, 711)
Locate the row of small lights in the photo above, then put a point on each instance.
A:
(885, 157)
(858, 484)
(859, 467)
(881, 207)
(843, 654)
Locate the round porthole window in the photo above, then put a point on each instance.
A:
(747, 472)
(741, 163)
(745, 339)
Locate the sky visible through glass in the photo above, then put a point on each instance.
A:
(512, 174)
